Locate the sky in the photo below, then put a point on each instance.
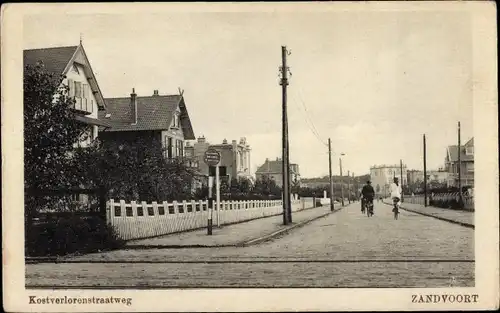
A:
(373, 82)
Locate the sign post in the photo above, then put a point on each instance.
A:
(212, 158)
(217, 194)
(210, 206)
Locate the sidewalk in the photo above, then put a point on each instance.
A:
(464, 218)
(241, 234)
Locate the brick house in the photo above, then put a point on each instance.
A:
(157, 119)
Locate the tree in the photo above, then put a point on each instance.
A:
(50, 134)
(267, 187)
(245, 185)
(135, 169)
(50, 129)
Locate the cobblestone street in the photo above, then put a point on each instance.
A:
(343, 249)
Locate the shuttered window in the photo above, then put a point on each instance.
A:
(85, 91)
(71, 85)
(78, 89)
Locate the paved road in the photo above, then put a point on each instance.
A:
(344, 249)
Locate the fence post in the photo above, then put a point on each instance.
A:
(102, 202)
(111, 212)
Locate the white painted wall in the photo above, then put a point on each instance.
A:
(80, 77)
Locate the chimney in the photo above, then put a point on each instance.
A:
(155, 93)
(133, 106)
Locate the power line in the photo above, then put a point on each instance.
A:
(307, 115)
(310, 124)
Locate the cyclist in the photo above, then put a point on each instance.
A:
(368, 193)
(396, 194)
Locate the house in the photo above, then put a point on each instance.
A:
(161, 119)
(73, 64)
(235, 158)
(274, 170)
(383, 175)
(467, 164)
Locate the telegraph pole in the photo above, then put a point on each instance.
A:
(425, 174)
(401, 168)
(341, 181)
(287, 210)
(348, 187)
(459, 167)
(355, 187)
(330, 168)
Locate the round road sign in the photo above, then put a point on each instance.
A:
(212, 157)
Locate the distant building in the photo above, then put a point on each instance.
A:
(414, 176)
(382, 176)
(235, 158)
(467, 164)
(274, 170)
(439, 176)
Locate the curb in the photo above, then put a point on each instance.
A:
(437, 217)
(284, 230)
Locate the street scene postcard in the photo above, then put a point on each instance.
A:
(250, 157)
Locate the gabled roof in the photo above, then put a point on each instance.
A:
(58, 61)
(153, 113)
(270, 166)
(452, 152)
(55, 59)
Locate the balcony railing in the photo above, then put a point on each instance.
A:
(84, 105)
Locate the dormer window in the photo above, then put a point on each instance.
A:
(175, 122)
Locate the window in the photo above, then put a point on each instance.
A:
(168, 142)
(175, 122)
(469, 151)
(470, 167)
(180, 148)
(75, 69)
(78, 89)
(85, 91)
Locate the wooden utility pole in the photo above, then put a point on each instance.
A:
(348, 187)
(341, 181)
(459, 166)
(401, 169)
(287, 210)
(355, 187)
(330, 170)
(425, 174)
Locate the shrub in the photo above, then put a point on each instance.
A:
(75, 234)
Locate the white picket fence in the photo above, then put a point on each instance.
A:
(141, 220)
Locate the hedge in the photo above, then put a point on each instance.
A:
(67, 235)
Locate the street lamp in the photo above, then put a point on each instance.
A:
(341, 179)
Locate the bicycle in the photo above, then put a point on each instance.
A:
(369, 207)
(396, 208)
